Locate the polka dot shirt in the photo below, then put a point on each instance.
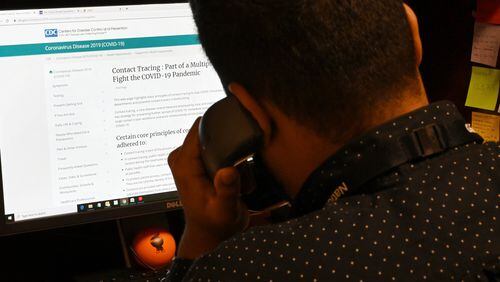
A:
(434, 218)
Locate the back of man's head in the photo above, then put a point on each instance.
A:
(315, 60)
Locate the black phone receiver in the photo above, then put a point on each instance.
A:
(229, 135)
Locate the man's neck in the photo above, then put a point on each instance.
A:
(311, 150)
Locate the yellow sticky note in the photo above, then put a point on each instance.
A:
(488, 126)
(483, 88)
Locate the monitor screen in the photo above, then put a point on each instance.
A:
(92, 101)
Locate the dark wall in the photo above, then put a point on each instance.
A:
(60, 254)
(446, 28)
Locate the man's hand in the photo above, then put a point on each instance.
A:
(213, 211)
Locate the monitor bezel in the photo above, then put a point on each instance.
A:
(53, 4)
(52, 222)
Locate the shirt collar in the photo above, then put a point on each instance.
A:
(371, 155)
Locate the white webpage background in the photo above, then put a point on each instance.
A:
(59, 121)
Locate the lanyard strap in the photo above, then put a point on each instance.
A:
(385, 155)
(421, 143)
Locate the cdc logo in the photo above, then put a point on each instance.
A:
(51, 32)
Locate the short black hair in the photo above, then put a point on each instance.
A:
(316, 60)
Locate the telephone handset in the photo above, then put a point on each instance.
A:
(230, 136)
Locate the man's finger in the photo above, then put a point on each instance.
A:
(227, 184)
(191, 146)
(173, 156)
(189, 155)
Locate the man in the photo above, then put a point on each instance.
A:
(383, 185)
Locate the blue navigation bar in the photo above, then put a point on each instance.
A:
(97, 45)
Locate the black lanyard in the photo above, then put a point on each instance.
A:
(418, 144)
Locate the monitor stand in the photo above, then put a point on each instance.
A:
(123, 243)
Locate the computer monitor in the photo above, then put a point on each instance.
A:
(92, 101)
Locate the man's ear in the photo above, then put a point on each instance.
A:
(413, 21)
(254, 107)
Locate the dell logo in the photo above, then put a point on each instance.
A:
(51, 32)
(174, 204)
